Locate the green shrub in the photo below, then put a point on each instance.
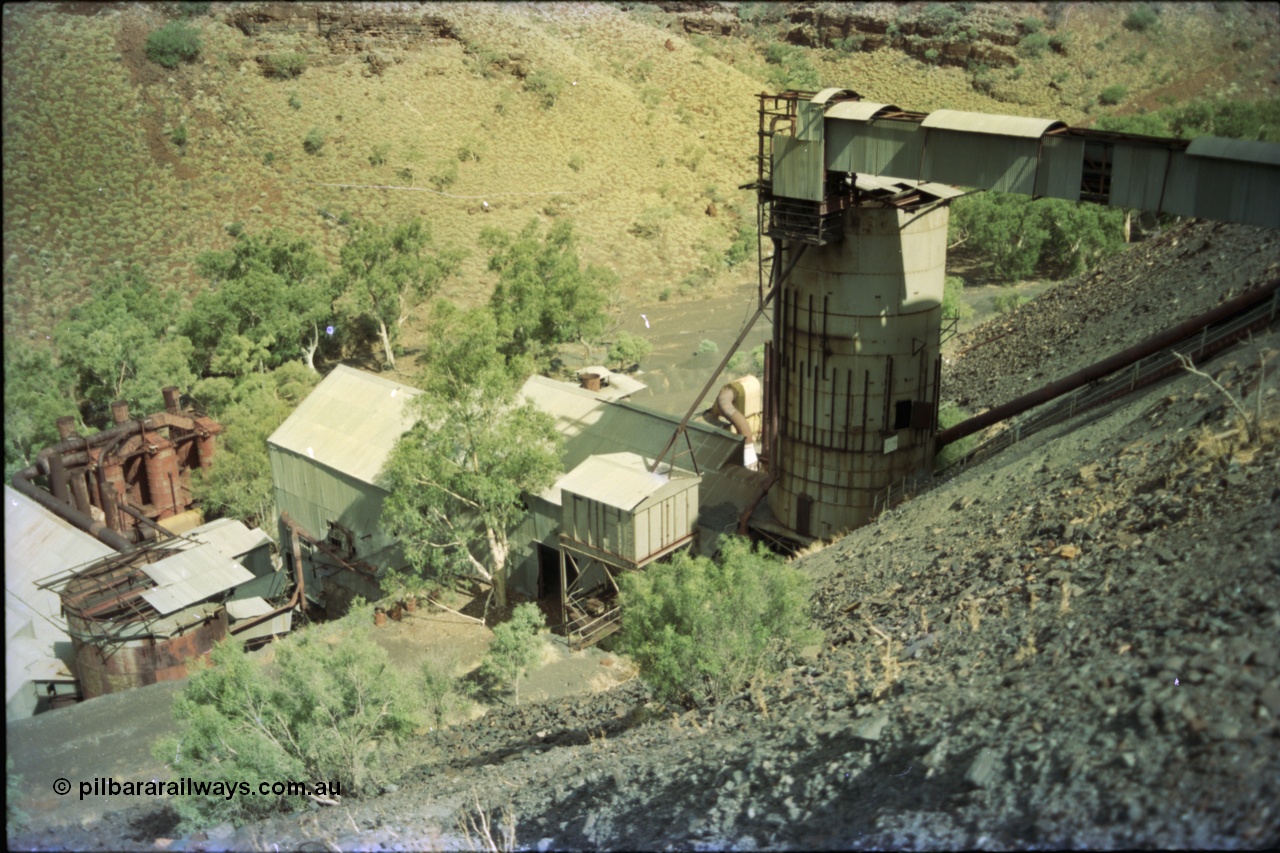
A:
(650, 96)
(469, 150)
(707, 347)
(948, 416)
(744, 243)
(179, 135)
(1031, 25)
(443, 696)
(1008, 302)
(445, 176)
(1141, 19)
(1059, 42)
(1034, 44)
(650, 223)
(939, 15)
(235, 229)
(405, 174)
(547, 85)
(334, 710)
(294, 101)
(852, 43)
(757, 359)
(193, 8)
(629, 349)
(1113, 95)
(314, 140)
(288, 65)
(378, 156)
(953, 304)
(173, 44)
(515, 647)
(700, 629)
(791, 68)
(691, 156)
(932, 56)
(576, 162)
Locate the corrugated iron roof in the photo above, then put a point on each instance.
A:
(857, 110)
(229, 536)
(1242, 150)
(38, 544)
(995, 125)
(621, 480)
(614, 386)
(191, 576)
(827, 94)
(349, 422)
(591, 427)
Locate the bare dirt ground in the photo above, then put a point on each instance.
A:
(1071, 644)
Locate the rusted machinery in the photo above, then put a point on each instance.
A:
(113, 483)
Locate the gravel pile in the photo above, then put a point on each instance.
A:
(1180, 273)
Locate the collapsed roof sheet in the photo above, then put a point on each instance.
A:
(191, 576)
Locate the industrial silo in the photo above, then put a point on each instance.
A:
(858, 347)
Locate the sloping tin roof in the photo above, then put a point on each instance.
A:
(995, 125)
(857, 110)
(621, 480)
(38, 544)
(349, 422)
(591, 427)
(229, 536)
(614, 386)
(1242, 150)
(191, 576)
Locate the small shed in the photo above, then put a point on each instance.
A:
(616, 515)
(618, 511)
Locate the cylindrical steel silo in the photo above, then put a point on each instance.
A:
(858, 328)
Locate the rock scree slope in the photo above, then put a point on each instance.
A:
(1073, 643)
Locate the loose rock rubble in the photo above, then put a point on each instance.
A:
(1182, 272)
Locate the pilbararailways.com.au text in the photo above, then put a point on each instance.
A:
(188, 787)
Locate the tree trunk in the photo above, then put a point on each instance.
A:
(311, 349)
(498, 547)
(386, 343)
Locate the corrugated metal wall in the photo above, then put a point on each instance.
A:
(887, 148)
(797, 168)
(1137, 175)
(1001, 163)
(633, 535)
(1061, 165)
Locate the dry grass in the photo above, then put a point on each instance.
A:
(92, 178)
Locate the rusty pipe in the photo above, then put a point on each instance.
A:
(1099, 369)
(298, 586)
(726, 409)
(66, 427)
(295, 533)
(22, 481)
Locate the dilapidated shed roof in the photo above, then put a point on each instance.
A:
(623, 481)
(349, 422)
(592, 426)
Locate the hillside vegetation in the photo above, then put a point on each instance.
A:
(611, 115)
